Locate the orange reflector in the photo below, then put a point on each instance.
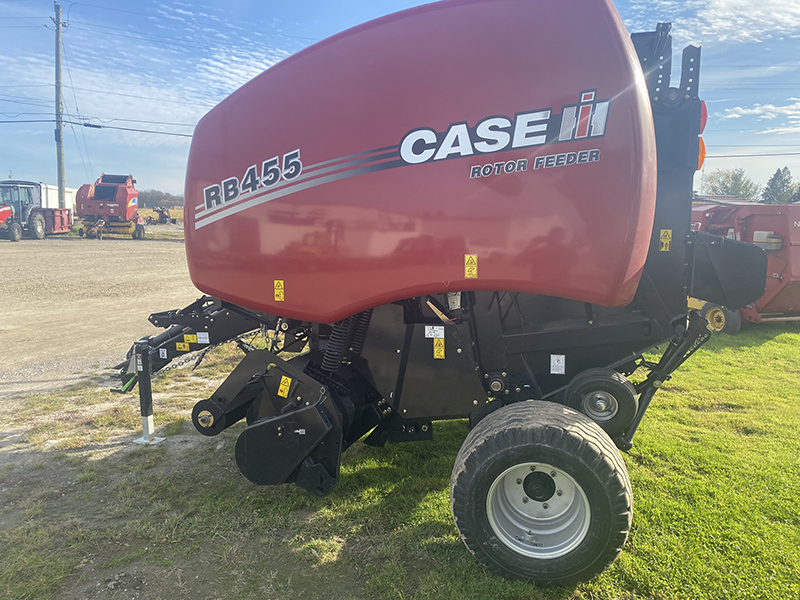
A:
(703, 115)
(701, 154)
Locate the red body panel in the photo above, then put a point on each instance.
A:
(57, 220)
(109, 201)
(741, 222)
(5, 214)
(391, 119)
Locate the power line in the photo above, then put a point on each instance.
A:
(111, 120)
(751, 155)
(102, 119)
(753, 145)
(94, 126)
(208, 104)
(77, 110)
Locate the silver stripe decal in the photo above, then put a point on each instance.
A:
(262, 198)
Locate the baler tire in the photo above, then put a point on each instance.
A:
(15, 232)
(733, 321)
(715, 316)
(80, 232)
(613, 389)
(36, 226)
(544, 448)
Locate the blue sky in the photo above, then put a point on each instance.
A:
(159, 66)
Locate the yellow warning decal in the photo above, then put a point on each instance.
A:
(280, 295)
(438, 347)
(665, 240)
(283, 388)
(190, 338)
(181, 347)
(470, 267)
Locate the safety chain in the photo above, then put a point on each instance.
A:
(199, 358)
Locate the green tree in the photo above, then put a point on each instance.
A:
(731, 182)
(151, 198)
(780, 188)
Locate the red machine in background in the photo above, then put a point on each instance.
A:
(32, 207)
(776, 229)
(110, 205)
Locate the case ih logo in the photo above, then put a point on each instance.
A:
(587, 119)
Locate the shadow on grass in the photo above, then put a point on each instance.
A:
(385, 530)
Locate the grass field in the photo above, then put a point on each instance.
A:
(715, 471)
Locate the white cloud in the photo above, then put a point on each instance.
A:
(788, 114)
(765, 111)
(718, 21)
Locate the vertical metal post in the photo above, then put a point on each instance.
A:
(59, 110)
(142, 354)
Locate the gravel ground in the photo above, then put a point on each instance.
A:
(72, 307)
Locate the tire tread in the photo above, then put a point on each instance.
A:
(552, 425)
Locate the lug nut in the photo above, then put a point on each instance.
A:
(524, 500)
(519, 481)
(545, 506)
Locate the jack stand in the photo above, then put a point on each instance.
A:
(142, 356)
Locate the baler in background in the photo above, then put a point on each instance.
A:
(110, 205)
(776, 229)
(468, 210)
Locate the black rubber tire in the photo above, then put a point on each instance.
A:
(14, 232)
(543, 432)
(610, 383)
(733, 321)
(36, 226)
(721, 319)
(80, 232)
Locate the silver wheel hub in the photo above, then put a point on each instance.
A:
(538, 510)
(600, 406)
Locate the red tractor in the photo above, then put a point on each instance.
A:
(467, 210)
(110, 205)
(28, 207)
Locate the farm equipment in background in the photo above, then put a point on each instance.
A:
(776, 229)
(110, 205)
(28, 207)
(448, 231)
(162, 217)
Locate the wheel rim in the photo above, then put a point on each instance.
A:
(538, 510)
(716, 319)
(600, 406)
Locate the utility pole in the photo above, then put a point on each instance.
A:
(59, 110)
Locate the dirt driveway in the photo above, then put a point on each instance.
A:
(73, 306)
